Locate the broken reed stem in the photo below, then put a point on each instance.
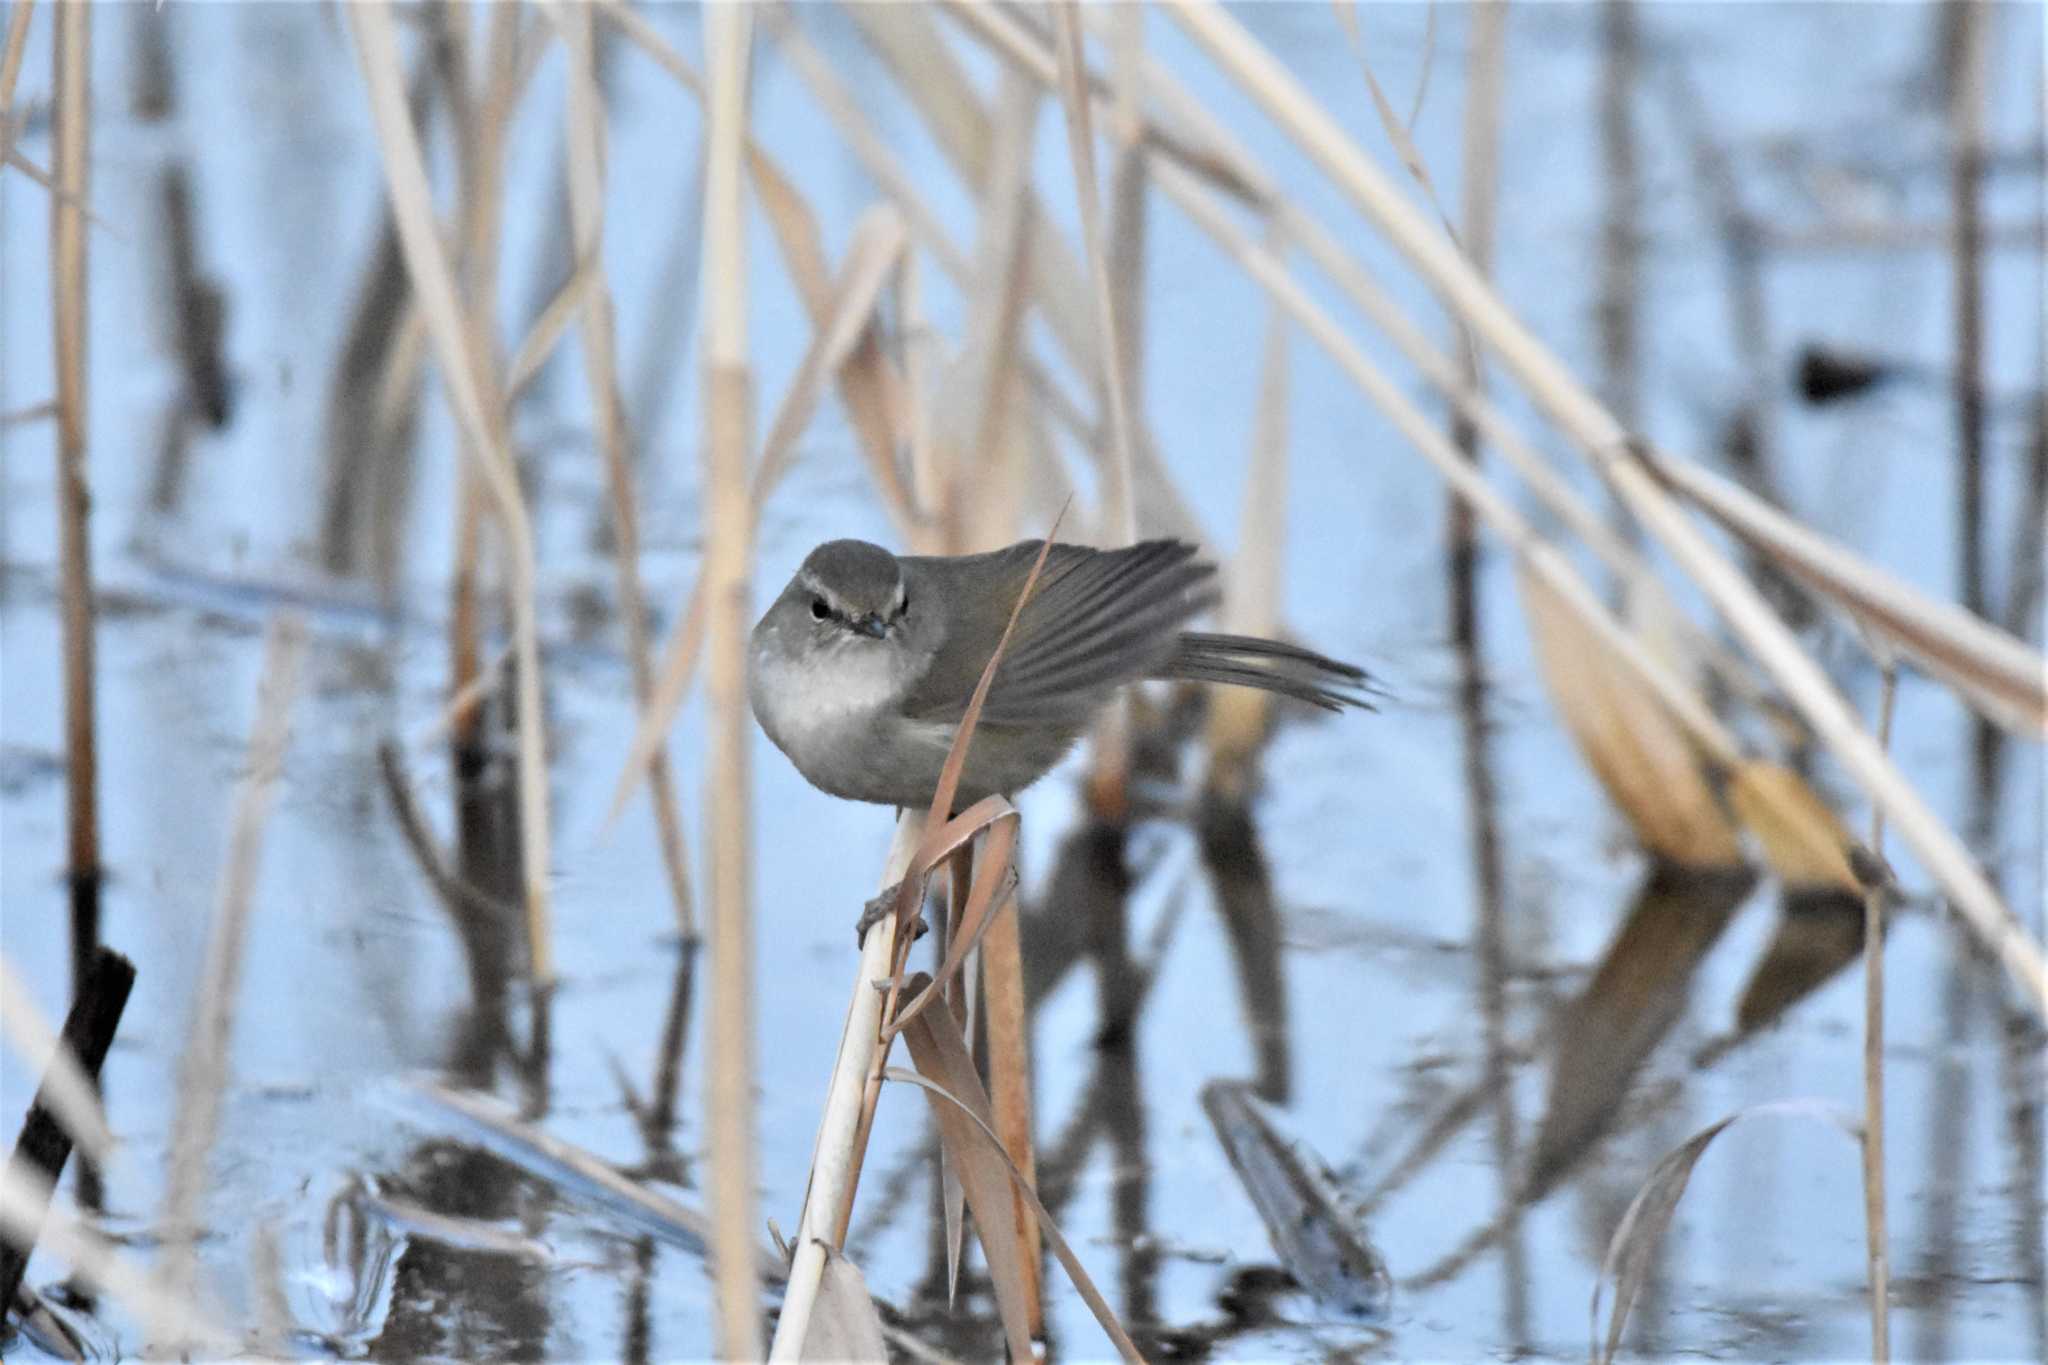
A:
(1874, 1220)
(69, 1090)
(203, 1067)
(469, 379)
(586, 161)
(72, 55)
(45, 1142)
(1609, 448)
(728, 37)
(836, 1156)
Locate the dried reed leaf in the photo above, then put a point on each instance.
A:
(1805, 845)
(974, 1106)
(1312, 1225)
(940, 1054)
(1997, 674)
(1009, 1072)
(1632, 1248)
(844, 1324)
(1644, 759)
(994, 881)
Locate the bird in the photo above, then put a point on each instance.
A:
(862, 668)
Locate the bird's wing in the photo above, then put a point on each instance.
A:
(1097, 619)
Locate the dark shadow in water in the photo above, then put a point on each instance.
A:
(1638, 991)
(1820, 932)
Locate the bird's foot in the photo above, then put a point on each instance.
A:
(881, 907)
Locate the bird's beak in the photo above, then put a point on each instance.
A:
(871, 624)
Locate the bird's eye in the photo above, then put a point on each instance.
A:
(819, 611)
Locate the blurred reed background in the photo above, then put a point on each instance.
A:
(432, 393)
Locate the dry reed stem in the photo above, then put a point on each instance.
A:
(1876, 1236)
(203, 1067)
(434, 283)
(71, 1094)
(482, 209)
(1991, 670)
(836, 1154)
(10, 63)
(728, 524)
(171, 1321)
(1606, 444)
(586, 159)
(72, 52)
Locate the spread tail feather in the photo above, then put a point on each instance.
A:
(1271, 665)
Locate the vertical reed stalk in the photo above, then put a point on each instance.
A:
(586, 157)
(1874, 1229)
(73, 62)
(481, 157)
(728, 36)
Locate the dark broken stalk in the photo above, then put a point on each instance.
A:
(45, 1144)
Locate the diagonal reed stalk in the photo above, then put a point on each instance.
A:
(455, 349)
(728, 524)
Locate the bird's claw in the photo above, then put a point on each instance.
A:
(881, 907)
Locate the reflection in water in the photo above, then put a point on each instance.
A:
(1244, 896)
(1637, 992)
